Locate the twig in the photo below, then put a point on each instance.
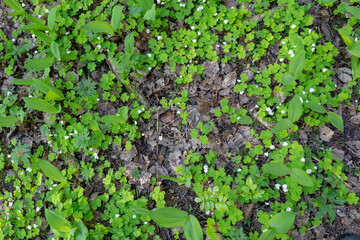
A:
(265, 124)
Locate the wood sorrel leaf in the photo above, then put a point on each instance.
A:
(282, 222)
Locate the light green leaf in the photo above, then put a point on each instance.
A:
(39, 104)
(277, 169)
(142, 211)
(355, 11)
(35, 20)
(2, 197)
(8, 121)
(51, 171)
(301, 177)
(2, 223)
(355, 49)
(246, 120)
(349, 40)
(282, 222)
(192, 229)
(55, 50)
(179, 181)
(51, 95)
(117, 16)
(39, 64)
(82, 231)
(30, 27)
(336, 121)
(269, 235)
(28, 81)
(169, 217)
(15, 5)
(52, 18)
(315, 107)
(128, 145)
(295, 109)
(124, 61)
(56, 189)
(146, 4)
(112, 119)
(57, 222)
(2, 35)
(129, 44)
(354, 66)
(281, 125)
(297, 64)
(150, 14)
(43, 37)
(99, 27)
(288, 78)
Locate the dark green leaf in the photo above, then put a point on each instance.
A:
(55, 50)
(57, 222)
(124, 61)
(39, 64)
(44, 87)
(246, 120)
(192, 229)
(129, 44)
(354, 65)
(8, 121)
(349, 40)
(281, 125)
(288, 78)
(301, 177)
(355, 11)
(52, 18)
(297, 64)
(112, 119)
(99, 27)
(282, 222)
(295, 109)
(35, 20)
(39, 104)
(277, 169)
(51, 171)
(43, 37)
(142, 211)
(15, 5)
(336, 121)
(2, 35)
(169, 217)
(33, 27)
(150, 14)
(117, 16)
(146, 4)
(355, 50)
(28, 81)
(315, 107)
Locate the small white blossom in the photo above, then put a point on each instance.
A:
(294, 46)
(135, 122)
(33, 35)
(315, 167)
(66, 137)
(282, 111)
(9, 155)
(324, 69)
(285, 144)
(28, 227)
(38, 209)
(192, 27)
(149, 54)
(11, 204)
(308, 171)
(268, 109)
(200, 8)
(147, 31)
(288, 209)
(159, 37)
(46, 10)
(241, 92)
(310, 30)
(292, 55)
(226, 21)
(283, 42)
(67, 33)
(23, 4)
(265, 230)
(281, 59)
(145, 223)
(284, 186)
(313, 44)
(68, 52)
(95, 155)
(239, 169)
(139, 111)
(266, 154)
(302, 159)
(117, 215)
(34, 225)
(293, 26)
(215, 14)
(272, 147)
(134, 216)
(98, 46)
(39, 16)
(206, 168)
(313, 49)
(29, 170)
(160, 138)
(291, 52)
(194, 41)
(256, 106)
(199, 33)
(13, 40)
(186, 46)
(312, 90)
(303, 92)
(301, 100)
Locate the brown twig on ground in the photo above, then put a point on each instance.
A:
(265, 124)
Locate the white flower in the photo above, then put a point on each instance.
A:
(207, 212)
(313, 44)
(186, 46)
(68, 52)
(66, 137)
(38, 209)
(284, 186)
(35, 51)
(33, 35)
(159, 37)
(194, 41)
(292, 55)
(147, 31)
(304, 92)
(178, 112)
(283, 42)
(291, 52)
(313, 49)
(135, 122)
(302, 159)
(294, 46)
(315, 167)
(301, 100)
(134, 216)
(149, 68)
(293, 26)
(46, 10)
(98, 38)
(215, 14)
(256, 106)
(200, 8)
(281, 59)
(272, 147)
(13, 40)
(239, 169)
(266, 154)
(39, 16)
(149, 54)
(312, 90)
(145, 223)
(95, 155)
(117, 215)
(206, 168)
(288, 209)
(23, 4)
(160, 138)
(310, 30)
(308, 171)
(67, 33)
(277, 186)
(199, 33)
(282, 111)
(9, 155)
(324, 69)
(226, 21)
(98, 46)
(285, 144)
(241, 92)
(28, 227)
(139, 111)
(50, 188)
(265, 230)
(11, 204)
(29, 170)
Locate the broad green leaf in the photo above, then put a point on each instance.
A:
(281, 125)
(277, 169)
(315, 107)
(2, 197)
(82, 231)
(282, 222)
(55, 50)
(99, 27)
(2, 223)
(297, 64)
(355, 11)
(52, 18)
(39, 104)
(35, 20)
(51, 171)
(51, 95)
(124, 61)
(146, 4)
(8, 121)
(117, 16)
(192, 229)
(39, 64)
(301, 177)
(56, 189)
(288, 78)
(246, 120)
(142, 211)
(169, 217)
(179, 181)
(43, 37)
(150, 14)
(336, 121)
(112, 119)
(94, 125)
(355, 50)
(269, 235)
(349, 40)
(57, 222)
(354, 66)
(15, 5)
(30, 27)
(295, 109)
(28, 81)
(129, 44)
(2, 35)
(43, 87)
